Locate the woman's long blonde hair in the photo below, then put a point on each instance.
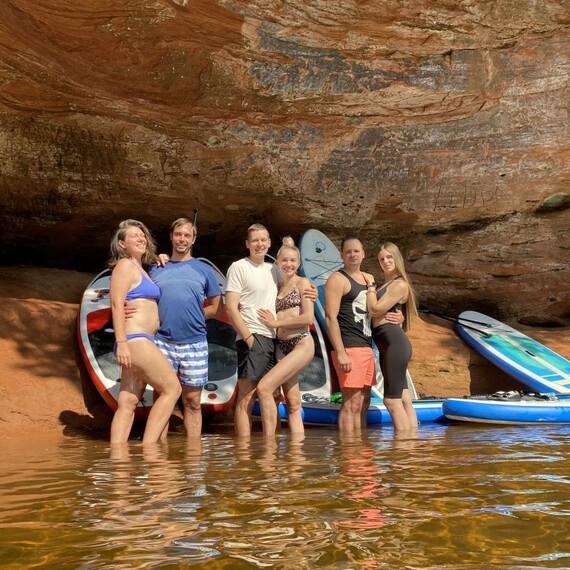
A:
(116, 252)
(410, 309)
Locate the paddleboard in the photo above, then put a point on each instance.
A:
(320, 258)
(520, 356)
(509, 408)
(321, 411)
(96, 338)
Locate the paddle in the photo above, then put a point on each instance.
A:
(194, 225)
(458, 320)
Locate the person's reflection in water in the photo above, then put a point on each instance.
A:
(295, 456)
(119, 452)
(363, 476)
(121, 477)
(405, 440)
(193, 450)
(164, 476)
(268, 460)
(243, 448)
(195, 490)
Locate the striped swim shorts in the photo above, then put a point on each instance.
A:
(189, 361)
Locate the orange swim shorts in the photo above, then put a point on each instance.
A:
(362, 372)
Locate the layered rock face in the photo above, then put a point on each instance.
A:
(441, 126)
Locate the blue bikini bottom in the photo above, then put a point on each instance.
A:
(133, 336)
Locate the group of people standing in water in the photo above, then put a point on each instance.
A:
(160, 305)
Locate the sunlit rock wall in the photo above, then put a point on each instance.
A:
(442, 126)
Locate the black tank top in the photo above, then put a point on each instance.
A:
(380, 292)
(353, 318)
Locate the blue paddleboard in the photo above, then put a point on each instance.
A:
(321, 411)
(320, 258)
(520, 356)
(509, 408)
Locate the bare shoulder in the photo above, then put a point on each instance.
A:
(399, 286)
(123, 266)
(336, 279)
(337, 284)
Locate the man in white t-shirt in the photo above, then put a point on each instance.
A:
(252, 284)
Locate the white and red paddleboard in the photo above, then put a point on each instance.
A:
(96, 338)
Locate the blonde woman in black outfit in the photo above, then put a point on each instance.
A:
(395, 348)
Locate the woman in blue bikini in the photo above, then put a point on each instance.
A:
(132, 249)
(295, 346)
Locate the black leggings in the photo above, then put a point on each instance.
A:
(395, 353)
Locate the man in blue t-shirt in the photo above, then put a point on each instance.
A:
(185, 283)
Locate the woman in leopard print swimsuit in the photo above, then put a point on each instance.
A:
(295, 346)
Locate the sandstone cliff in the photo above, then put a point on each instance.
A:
(442, 126)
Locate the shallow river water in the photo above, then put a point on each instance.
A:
(458, 496)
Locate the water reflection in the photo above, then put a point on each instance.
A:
(362, 476)
(452, 497)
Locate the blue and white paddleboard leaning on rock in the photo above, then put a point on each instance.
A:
(510, 408)
(320, 258)
(520, 356)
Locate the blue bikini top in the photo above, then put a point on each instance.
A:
(146, 289)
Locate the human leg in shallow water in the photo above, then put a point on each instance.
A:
(283, 373)
(130, 394)
(149, 366)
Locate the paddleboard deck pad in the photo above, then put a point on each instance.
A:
(516, 354)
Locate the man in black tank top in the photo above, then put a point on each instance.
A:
(350, 333)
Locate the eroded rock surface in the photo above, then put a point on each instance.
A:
(441, 126)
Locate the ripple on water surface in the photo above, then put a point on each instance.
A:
(455, 497)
